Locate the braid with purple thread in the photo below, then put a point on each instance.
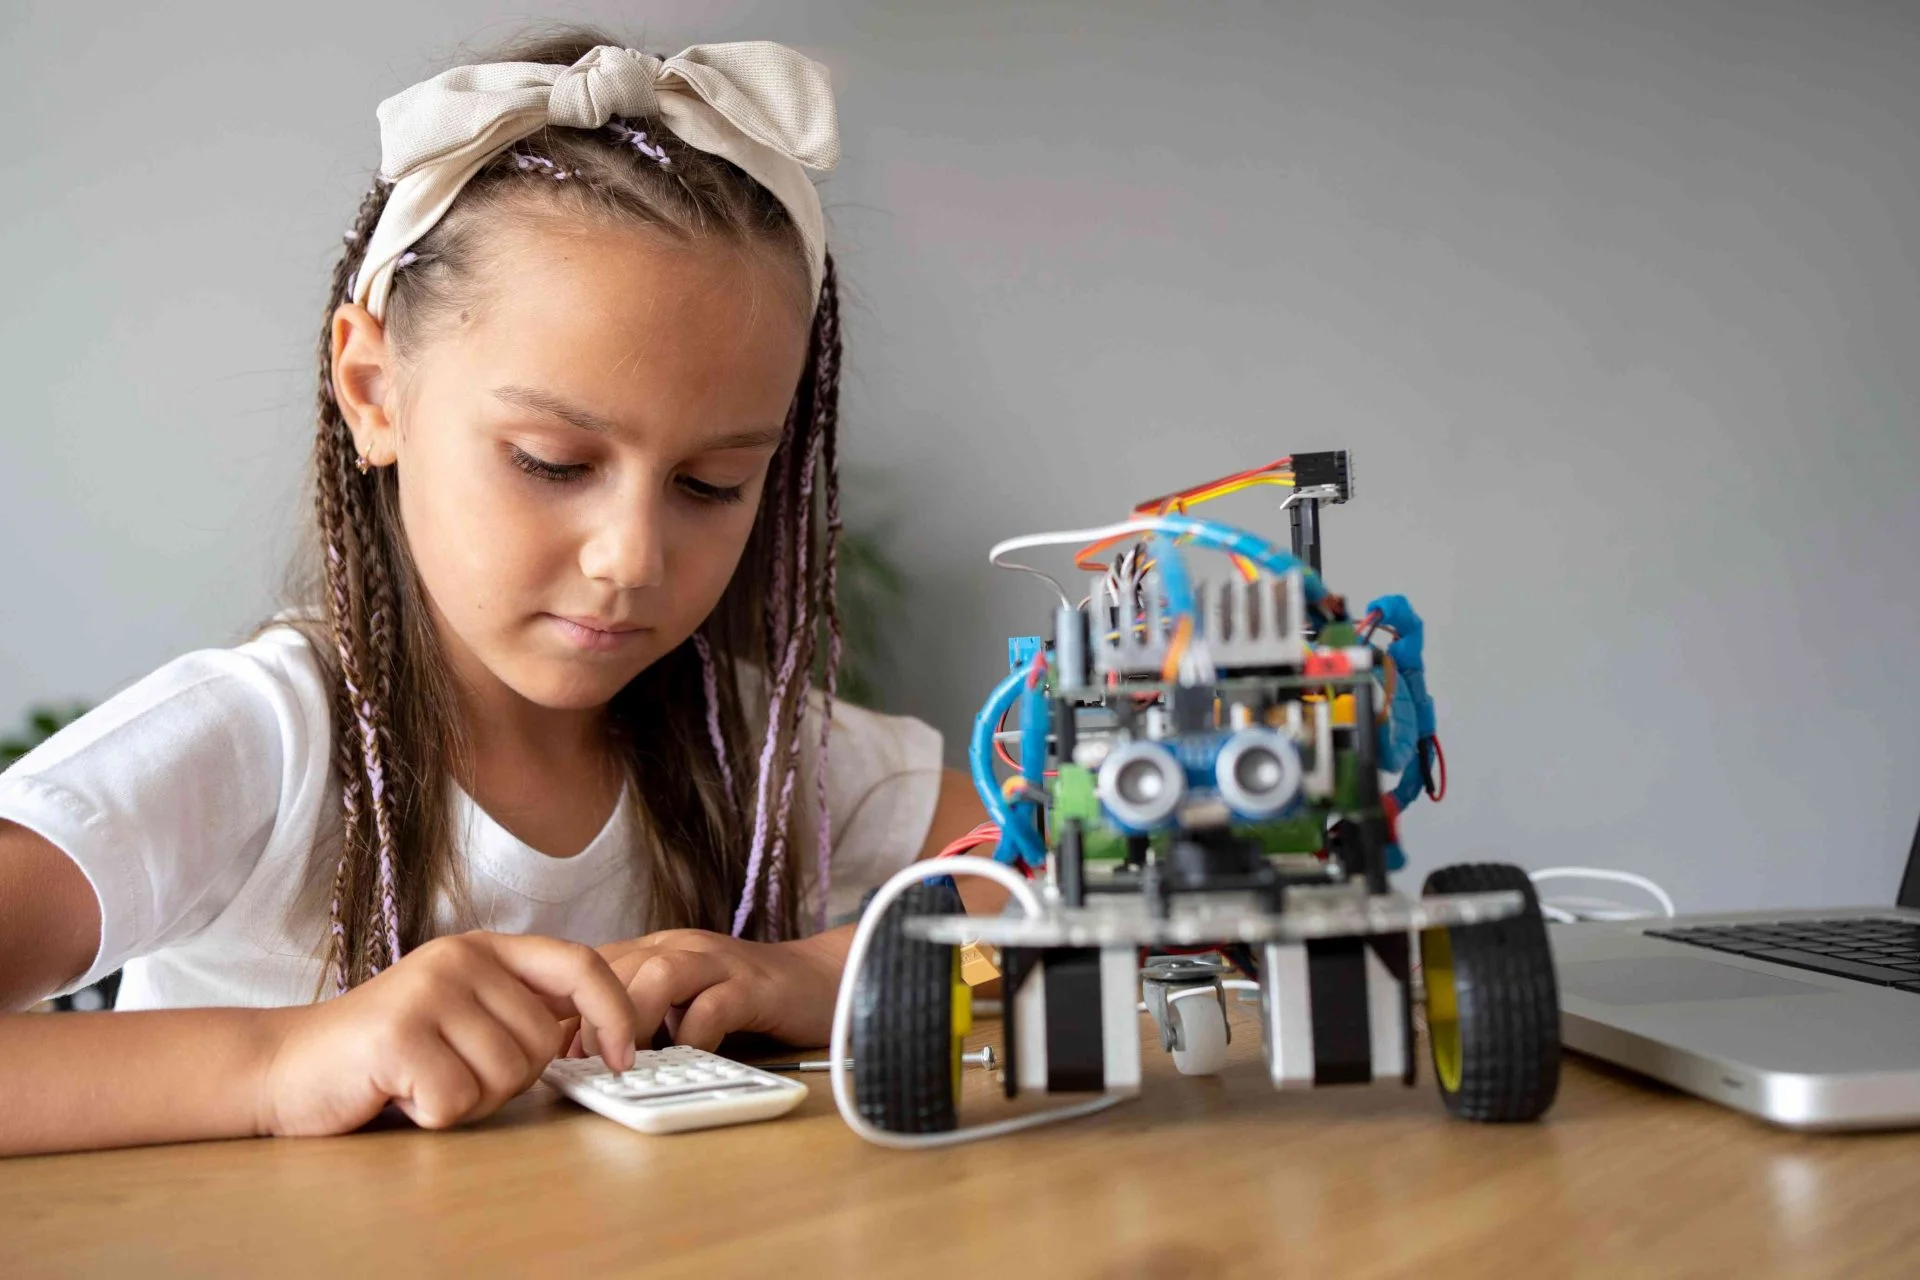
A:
(341, 499)
(785, 601)
(376, 739)
(826, 402)
(790, 667)
(710, 681)
(793, 626)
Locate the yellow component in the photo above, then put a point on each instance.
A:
(979, 964)
(1343, 710)
(1443, 1006)
(962, 1023)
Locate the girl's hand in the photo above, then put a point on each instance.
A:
(448, 1034)
(702, 986)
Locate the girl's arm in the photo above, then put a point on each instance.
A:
(449, 1034)
(92, 1080)
(49, 919)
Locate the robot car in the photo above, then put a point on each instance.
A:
(1204, 786)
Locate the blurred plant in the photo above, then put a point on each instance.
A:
(42, 723)
(872, 591)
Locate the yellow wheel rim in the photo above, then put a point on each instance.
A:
(962, 1022)
(1443, 1006)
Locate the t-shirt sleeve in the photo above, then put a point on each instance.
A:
(882, 783)
(167, 794)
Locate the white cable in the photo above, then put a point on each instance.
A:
(1639, 882)
(839, 1051)
(1143, 524)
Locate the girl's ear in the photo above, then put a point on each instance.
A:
(362, 378)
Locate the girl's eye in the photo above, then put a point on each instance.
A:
(701, 491)
(542, 469)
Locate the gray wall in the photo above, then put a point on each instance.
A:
(1615, 304)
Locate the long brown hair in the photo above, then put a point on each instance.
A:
(713, 796)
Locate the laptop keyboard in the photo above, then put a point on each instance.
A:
(1880, 951)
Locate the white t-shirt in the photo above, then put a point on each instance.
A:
(194, 801)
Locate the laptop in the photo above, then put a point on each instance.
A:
(1809, 1019)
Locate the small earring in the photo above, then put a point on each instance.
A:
(362, 464)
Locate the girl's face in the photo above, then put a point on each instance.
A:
(580, 455)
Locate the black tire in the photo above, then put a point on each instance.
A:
(1498, 1057)
(903, 1046)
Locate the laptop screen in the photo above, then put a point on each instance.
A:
(1910, 882)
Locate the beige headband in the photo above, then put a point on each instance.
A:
(759, 104)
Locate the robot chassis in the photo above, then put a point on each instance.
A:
(1198, 789)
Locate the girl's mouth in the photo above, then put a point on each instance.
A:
(595, 635)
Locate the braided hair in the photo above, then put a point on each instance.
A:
(717, 801)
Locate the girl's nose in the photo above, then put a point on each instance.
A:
(626, 546)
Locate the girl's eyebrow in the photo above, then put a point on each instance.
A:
(554, 406)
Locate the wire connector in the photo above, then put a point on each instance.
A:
(1021, 651)
(1330, 472)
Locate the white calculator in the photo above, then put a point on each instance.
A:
(675, 1088)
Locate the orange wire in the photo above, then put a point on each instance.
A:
(1178, 502)
(1177, 649)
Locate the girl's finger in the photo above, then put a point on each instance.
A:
(576, 974)
(715, 1013)
(497, 1060)
(524, 1015)
(433, 1084)
(668, 979)
(570, 1030)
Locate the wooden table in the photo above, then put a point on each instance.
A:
(1198, 1177)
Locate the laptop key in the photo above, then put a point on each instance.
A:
(1882, 974)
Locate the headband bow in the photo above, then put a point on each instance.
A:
(761, 105)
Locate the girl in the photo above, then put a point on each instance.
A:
(577, 506)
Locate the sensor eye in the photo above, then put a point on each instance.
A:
(1258, 773)
(1141, 785)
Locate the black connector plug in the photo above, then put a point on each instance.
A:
(1332, 469)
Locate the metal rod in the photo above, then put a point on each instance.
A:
(980, 1058)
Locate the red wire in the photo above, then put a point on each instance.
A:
(1006, 757)
(1440, 759)
(1162, 504)
(985, 833)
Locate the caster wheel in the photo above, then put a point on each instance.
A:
(911, 1016)
(1200, 1033)
(1493, 1012)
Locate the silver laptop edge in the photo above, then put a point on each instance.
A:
(1792, 1046)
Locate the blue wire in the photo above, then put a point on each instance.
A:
(1016, 838)
(1224, 537)
(1173, 575)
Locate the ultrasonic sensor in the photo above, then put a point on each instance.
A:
(1141, 784)
(1258, 773)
